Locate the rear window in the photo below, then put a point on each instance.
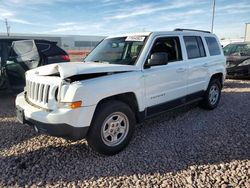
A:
(42, 46)
(53, 50)
(213, 46)
(194, 46)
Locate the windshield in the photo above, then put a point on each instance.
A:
(122, 50)
(228, 49)
(237, 49)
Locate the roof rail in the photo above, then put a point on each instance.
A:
(180, 29)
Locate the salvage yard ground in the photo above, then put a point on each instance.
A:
(189, 147)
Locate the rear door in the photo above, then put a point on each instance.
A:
(197, 65)
(23, 56)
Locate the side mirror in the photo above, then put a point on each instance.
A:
(156, 59)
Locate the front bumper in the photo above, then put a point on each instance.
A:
(66, 123)
(243, 71)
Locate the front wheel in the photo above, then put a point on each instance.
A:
(112, 127)
(212, 95)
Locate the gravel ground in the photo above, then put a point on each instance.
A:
(189, 147)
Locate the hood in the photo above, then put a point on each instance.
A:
(236, 59)
(66, 70)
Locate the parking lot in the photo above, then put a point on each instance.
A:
(187, 147)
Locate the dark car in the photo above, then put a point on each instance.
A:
(238, 59)
(5, 45)
(28, 54)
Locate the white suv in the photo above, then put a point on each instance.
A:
(124, 80)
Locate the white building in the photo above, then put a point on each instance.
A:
(67, 42)
(247, 32)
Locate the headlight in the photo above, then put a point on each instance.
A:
(244, 63)
(72, 105)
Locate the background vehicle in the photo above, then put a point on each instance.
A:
(124, 80)
(238, 59)
(28, 54)
(5, 45)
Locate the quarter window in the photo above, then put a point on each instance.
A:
(213, 46)
(194, 46)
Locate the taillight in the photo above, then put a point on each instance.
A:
(65, 58)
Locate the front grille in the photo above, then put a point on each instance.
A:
(41, 90)
(37, 91)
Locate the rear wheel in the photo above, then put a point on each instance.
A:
(112, 127)
(212, 95)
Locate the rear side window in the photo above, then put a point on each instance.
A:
(213, 46)
(42, 46)
(194, 46)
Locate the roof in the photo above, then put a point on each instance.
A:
(36, 41)
(186, 32)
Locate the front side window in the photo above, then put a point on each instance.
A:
(194, 47)
(169, 45)
(213, 46)
(121, 50)
(243, 49)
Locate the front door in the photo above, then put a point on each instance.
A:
(166, 85)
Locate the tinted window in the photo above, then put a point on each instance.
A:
(42, 46)
(170, 45)
(0, 54)
(0, 50)
(213, 46)
(229, 49)
(243, 49)
(201, 47)
(194, 46)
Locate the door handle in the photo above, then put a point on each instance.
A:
(181, 70)
(205, 65)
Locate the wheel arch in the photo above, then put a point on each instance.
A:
(128, 98)
(218, 76)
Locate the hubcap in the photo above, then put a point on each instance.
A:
(213, 94)
(115, 129)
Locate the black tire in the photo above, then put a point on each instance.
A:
(208, 104)
(108, 109)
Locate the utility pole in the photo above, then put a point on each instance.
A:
(212, 27)
(7, 27)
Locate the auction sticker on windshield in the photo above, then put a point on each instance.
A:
(135, 38)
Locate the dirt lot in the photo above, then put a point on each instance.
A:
(189, 147)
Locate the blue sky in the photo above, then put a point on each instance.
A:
(107, 17)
